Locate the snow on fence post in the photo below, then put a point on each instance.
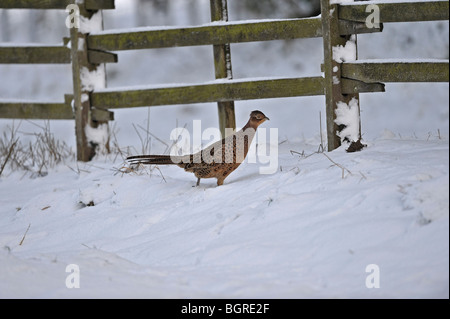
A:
(91, 136)
(342, 110)
(222, 65)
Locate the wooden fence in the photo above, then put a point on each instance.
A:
(342, 81)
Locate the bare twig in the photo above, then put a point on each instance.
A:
(321, 149)
(140, 138)
(363, 176)
(344, 169)
(147, 138)
(23, 238)
(161, 174)
(302, 154)
(11, 148)
(295, 169)
(123, 170)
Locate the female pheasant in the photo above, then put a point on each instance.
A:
(217, 160)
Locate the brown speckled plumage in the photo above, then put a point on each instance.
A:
(218, 160)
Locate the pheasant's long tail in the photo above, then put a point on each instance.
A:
(153, 159)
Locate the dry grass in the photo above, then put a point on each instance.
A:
(321, 150)
(24, 235)
(33, 153)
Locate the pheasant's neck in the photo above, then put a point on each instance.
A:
(247, 133)
(249, 130)
(250, 125)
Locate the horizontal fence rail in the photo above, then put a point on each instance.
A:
(228, 90)
(212, 34)
(36, 111)
(217, 33)
(47, 111)
(397, 11)
(397, 71)
(54, 4)
(48, 55)
(34, 54)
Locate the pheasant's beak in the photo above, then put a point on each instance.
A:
(266, 118)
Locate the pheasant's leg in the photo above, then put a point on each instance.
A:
(198, 181)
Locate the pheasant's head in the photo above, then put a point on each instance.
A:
(257, 118)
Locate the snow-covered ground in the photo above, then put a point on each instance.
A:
(309, 230)
(303, 232)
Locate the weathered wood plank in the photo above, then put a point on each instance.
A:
(35, 111)
(353, 27)
(350, 86)
(397, 11)
(222, 67)
(218, 34)
(100, 4)
(401, 71)
(330, 88)
(87, 145)
(212, 92)
(35, 4)
(81, 106)
(333, 89)
(54, 4)
(34, 55)
(214, 34)
(101, 115)
(98, 57)
(98, 115)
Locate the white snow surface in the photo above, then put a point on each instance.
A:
(345, 53)
(348, 115)
(93, 80)
(364, 3)
(340, 1)
(302, 232)
(98, 136)
(307, 231)
(94, 24)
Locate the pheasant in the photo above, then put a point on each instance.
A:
(218, 160)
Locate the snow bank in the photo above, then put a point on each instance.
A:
(301, 232)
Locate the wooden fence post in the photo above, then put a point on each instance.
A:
(222, 65)
(334, 44)
(90, 135)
